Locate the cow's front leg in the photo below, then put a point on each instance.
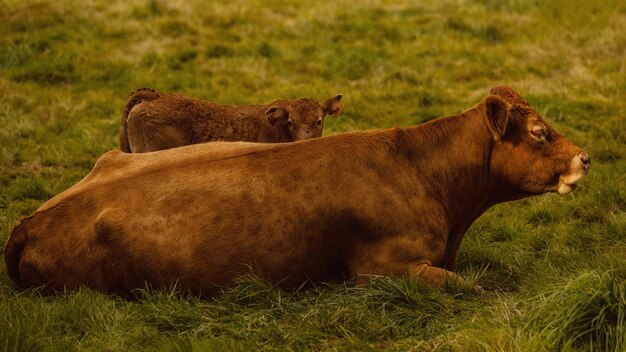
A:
(403, 256)
(435, 276)
(431, 275)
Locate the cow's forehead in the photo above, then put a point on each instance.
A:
(532, 118)
(527, 111)
(509, 95)
(306, 106)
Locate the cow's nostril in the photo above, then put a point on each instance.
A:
(584, 157)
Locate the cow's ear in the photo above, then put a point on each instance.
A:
(333, 105)
(277, 114)
(497, 115)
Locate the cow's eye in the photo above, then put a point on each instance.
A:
(289, 124)
(538, 132)
(319, 122)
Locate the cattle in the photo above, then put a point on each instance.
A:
(385, 202)
(154, 121)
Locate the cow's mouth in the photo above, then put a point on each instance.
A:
(565, 188)
(568, 183)
(577, 170)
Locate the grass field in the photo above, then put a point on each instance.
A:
(553, 267)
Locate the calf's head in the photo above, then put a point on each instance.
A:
(528, 156)
(304, 118)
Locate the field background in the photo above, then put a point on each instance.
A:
(553, 267)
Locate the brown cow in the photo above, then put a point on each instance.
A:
(387, 202)
(155, 121)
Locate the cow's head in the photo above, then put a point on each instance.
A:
(528, 156)
(304, 118)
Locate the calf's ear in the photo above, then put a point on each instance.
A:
(497, 115)
(277, 114)
(333, 105)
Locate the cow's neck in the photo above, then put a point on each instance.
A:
(273, 134)
(451, 156)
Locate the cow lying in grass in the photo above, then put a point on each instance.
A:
(385, 202)
(154, 121)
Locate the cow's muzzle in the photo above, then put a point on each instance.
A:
(586, 160)
(578, 168)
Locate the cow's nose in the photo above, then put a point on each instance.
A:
(584, 157)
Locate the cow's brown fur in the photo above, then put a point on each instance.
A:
(155, 121)
(390, 202)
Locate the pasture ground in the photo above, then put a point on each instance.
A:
(553, 267)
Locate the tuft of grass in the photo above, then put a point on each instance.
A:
(30, 189)
(587, 313)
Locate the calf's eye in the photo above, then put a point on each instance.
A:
(319, 123)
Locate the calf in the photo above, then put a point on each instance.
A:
(385, 202)
(155, 121)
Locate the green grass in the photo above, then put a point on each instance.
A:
(553, 268)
